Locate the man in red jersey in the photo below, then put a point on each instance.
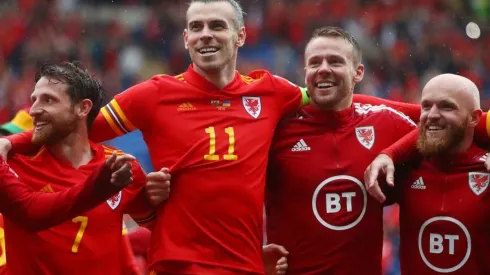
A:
(317, 207)
(66, 100)
(213, 128)
(40, 211)
(22, 121)
(443, 196)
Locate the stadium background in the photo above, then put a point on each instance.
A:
(122, 42)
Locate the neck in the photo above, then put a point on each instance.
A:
(219, 77)
(465, 144)
(75, 148)
(344, 104)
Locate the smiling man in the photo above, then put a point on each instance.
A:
(213, 128)
(317, 207)
(443, 194)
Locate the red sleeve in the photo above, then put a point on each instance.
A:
(130, 110)
(21, 143)
(404, 149)
(39, 211)
(139, 208)
(291, 97)
(411, 110)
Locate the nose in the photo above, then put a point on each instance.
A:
(206, 33)
(35, 110)
(324, 68)
(434, 113)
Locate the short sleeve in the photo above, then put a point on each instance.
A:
(132, 109)
(291, 96)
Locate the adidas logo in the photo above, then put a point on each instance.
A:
(300, 146)
(186, 106)
(418, 184)
(47, 189)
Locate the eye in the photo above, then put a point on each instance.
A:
(195, 26)
(314, 63)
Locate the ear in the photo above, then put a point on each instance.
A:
(84, 108)
(476, 116)
(185, 39)
(241, 36)
(359, 73)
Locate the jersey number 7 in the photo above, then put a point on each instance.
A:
(212, 144)
(83, 220)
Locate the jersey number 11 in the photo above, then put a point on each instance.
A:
(212, 144)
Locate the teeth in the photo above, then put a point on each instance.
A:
(435, 128)
(325, 84)
(209, 49)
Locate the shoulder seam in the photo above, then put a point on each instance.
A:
(364, 109)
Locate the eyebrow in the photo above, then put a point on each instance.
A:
(212, 21)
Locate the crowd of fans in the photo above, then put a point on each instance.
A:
(405, 42)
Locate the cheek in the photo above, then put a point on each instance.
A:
(309, 75)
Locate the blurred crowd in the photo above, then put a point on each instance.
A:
(405, 42)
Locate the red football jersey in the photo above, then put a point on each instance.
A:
(216, 143)
(445, 216)
(91, 243)
(3, 256)
(317, 206)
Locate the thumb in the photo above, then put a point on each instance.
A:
(281, 249)
(390, 175)
(165, 170)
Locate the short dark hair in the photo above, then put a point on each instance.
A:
(239, 22)
(332, 31)
(81, 85)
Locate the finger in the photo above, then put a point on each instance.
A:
(487, 163)
(120, 160)
(110, 161)
(282, 250)
(390, 175)
(157, 176)
(159, 193)
(372, 175)
(282, 261)
(123, 171)
(157, 185)
(375, 192)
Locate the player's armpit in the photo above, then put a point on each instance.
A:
(38, 211)
(404, 149)
(139, 208)
(411, 110)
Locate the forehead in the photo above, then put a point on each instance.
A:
(49, 86)
(205, 12)
(436, 92)
(325, 46)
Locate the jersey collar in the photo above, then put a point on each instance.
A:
(462, 160)
(198, 81)
(332, 119)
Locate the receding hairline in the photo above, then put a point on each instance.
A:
(238, 19)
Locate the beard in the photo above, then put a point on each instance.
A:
(430, 146)
(55, 131)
